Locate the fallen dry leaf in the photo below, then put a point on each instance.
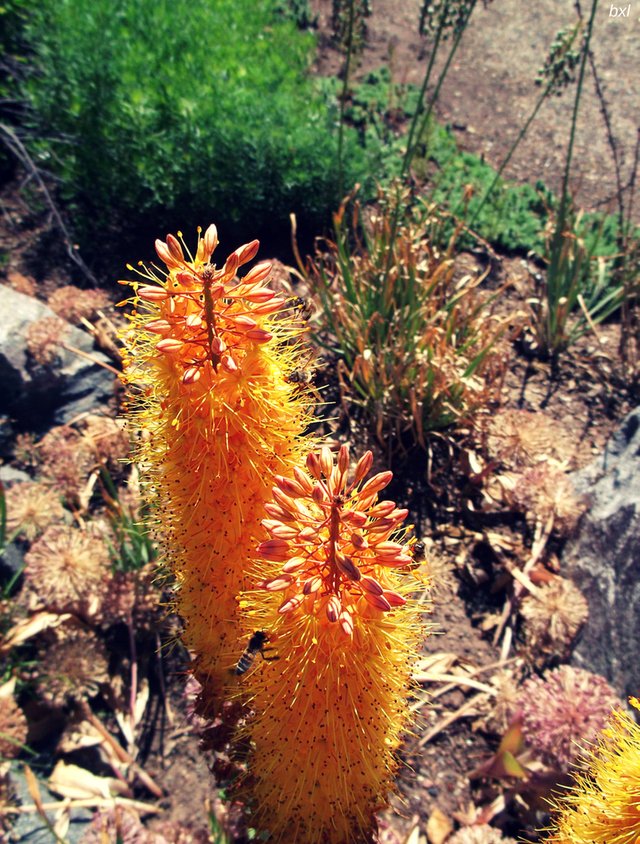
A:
(439, 827)
(79, 784)
(29, 627)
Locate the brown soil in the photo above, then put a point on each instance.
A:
(490, 89)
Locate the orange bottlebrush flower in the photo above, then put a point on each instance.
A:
(208, 357)
(334, 605)
(604, 805)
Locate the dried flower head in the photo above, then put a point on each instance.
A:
(563, 711)
(133, 597)
(497, 712)
(8, 800)
(66, 461)
(553, 617)
(482, 834)
(107, 439)
(122, 824)
(73, 304)
(22, 283)
(25, 451)
(13, 724)
(521, 439)
(67, 570)
(334, 604)
(31, 508)
(44, 337)
(543, 492)
(173, 832)
(603, 806)
(73, 666)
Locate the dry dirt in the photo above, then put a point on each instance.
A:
(490, 90)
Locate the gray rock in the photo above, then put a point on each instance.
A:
(30, 827)
(604, 560)
(38, 396)
(10, 475)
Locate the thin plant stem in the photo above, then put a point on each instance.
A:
(343, 98)
(523, 131)
(558, 236)
(422, 123)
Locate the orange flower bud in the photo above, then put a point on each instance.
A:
(247, 252)
(274, 549)
(173, 244)
(377, 601)
(363, 467)
(210, 241)
(258, 273)
(169, 346)
(334, 608)
(152, 294)
(376, 483)
(326, 461)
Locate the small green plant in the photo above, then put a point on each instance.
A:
(133, 548)
(577, 294)
(414, 341)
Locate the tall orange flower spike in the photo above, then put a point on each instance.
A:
(603, 807)
(334, 605)
(207, 359)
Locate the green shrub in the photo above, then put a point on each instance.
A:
(153, 112)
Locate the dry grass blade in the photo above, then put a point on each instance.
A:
(467, 709)
(416, 341)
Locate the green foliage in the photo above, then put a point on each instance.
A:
(133, 547)
(151, 111)
(298, 11)
(578, 291)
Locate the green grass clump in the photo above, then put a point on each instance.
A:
(144, 109)
(414, 342)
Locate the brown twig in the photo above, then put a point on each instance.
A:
(124, 757)
(15, 145)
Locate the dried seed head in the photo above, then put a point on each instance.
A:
(563, 711)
